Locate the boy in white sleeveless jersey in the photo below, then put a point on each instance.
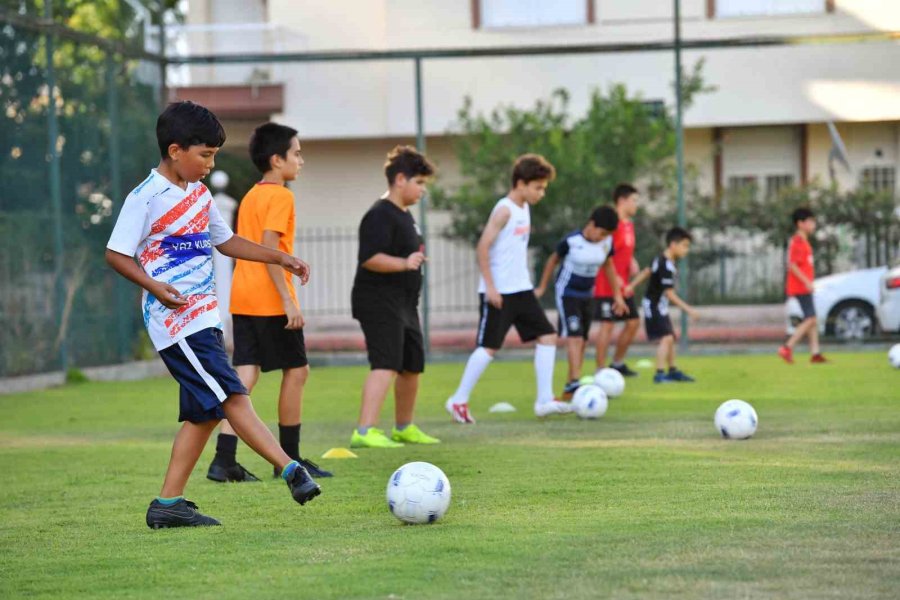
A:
(506, 293)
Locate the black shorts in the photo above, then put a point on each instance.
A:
(658, 326)
(200, 366)
(265, 343)
(603, 310)
(521, 310)
(390, 324)
(806, 305)
(574, 316)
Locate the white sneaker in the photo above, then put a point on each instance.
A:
(551, 407)
(459, 412)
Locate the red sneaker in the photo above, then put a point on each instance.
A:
(818, 359)
(787, 354)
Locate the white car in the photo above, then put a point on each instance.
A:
(845, 304)
(889, 307)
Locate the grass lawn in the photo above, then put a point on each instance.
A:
(646, 503)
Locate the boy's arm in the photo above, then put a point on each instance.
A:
(125, 266)
(238, 247)
(545, 276)
(385, 263)
(495, 223)
(674, 299)
(798, 273)
(295, 319)
(619, 306)
(638, 280)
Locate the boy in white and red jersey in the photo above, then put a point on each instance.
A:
(170, 224)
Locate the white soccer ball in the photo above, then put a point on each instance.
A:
(736, 420)
(418, 492)
(894, 356)
(611, 381)
(590, 402)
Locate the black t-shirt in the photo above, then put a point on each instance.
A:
(662, 278)
(387, 229)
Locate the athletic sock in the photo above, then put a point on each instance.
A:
(617, 365)
(289, 436)
(362, 430)
(660, 372)
(475, 366)
(168, 501)
(400, 427)
(289, 469)
(544, 361)
(226, 449)
(673, 369)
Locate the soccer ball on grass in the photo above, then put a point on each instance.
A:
(418, 492)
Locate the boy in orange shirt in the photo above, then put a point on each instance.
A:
(268, 323)
(799, 284)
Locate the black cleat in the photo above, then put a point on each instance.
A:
(312, 468)
(624, 370)
(183, 513)
(302, 487)
(235, 472)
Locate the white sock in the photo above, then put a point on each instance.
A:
(475, 366)
(544, 361)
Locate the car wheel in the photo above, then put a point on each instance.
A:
(851, 321)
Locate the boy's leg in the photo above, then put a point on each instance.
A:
(186, 450)
(224, 466)
(626, 336)
(249, 376)
(290, 409)
(604, 336)
(670, 359)
(575, 349)
(374, 392)
(243, 418)
(800, 331)
(814, 336)
(663, 353)
(406, 388)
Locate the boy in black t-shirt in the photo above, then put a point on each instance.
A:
(385, 301)
(660, 293)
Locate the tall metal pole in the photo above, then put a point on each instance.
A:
(55, 184)
(679, 156)
(423, 209)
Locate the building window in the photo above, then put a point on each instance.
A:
(500, 14)
(739, 184)
(879, 179)
(765, 8)
(776, 183)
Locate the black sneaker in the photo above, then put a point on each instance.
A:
(624, 370)
(183, 513)
(302, 487)
(312, 468)
(235, 472)
(570, 388)
(679, 375)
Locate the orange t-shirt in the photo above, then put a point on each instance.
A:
(266, 206)
(799, 253)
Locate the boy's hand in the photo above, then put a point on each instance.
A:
(494, 298)
(627, 290)
(167, 295)
(693, 313)
(294, 316)
(619, 306)
(539, 291)
(295, 266)
(414, 261)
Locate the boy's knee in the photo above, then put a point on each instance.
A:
(297, 375)
(548, 339)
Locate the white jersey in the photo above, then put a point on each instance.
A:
(508, 255)
(172, 232)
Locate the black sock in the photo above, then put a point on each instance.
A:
(673, 369)
(660, 372)
(226, 449)
(289, 436)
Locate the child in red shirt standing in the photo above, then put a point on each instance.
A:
(800, 275)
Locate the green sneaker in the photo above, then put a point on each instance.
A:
(413, 435)
(374, 438)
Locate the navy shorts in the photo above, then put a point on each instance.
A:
(574, 316)
(604, 310)
(200, 366)
(806, 305)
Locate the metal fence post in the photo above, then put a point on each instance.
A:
(55, 184)
(679, 156)
(115, 190)
(423, 209)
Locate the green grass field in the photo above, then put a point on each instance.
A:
(646, 503)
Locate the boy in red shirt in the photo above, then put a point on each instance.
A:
(625, 198)
(800, 275)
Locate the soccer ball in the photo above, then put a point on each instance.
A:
(418, 492)
(736, 420)
(590, 402)
(611, 381)
(894, 356)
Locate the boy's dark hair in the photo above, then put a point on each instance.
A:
(532, 167)
(605, 217)
(268, 140)
(623, 190)
(188, 124)
(676, 234)
(406, 160)
(801, 214)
